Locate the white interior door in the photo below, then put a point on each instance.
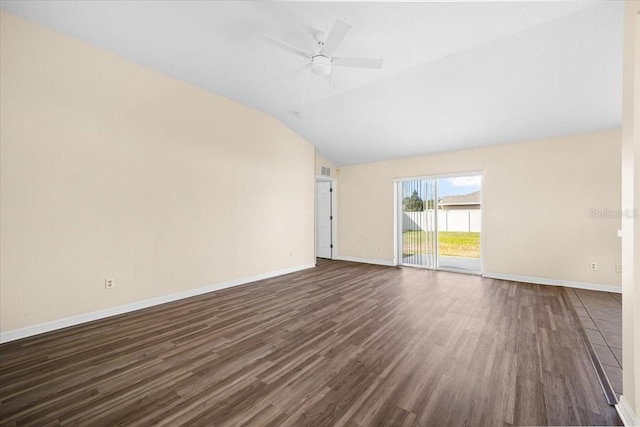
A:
(323, 220)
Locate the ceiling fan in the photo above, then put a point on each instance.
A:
(323, 60)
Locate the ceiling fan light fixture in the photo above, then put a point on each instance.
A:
(322, 61)
(321, 65)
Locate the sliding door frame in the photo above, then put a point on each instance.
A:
(397, 229)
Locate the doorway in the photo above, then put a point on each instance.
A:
(325, 219)
(440, 222)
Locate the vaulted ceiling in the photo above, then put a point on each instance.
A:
(455, 75)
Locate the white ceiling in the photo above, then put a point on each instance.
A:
(455, 75)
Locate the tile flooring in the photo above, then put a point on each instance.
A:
(601, 316)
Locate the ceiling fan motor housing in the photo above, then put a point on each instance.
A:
(321, 65)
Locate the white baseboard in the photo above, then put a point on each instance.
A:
(626, 414)
(28, 331)
(365, 260)
(553, 282)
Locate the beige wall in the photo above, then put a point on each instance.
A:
(631, 203)
(109, 169)
(550, 185)
(320, 162)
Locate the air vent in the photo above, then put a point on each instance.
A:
(325, 171)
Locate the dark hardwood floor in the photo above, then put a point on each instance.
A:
(341, 344)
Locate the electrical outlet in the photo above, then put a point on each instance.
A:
(594, 265)
(109, 284)
(618, 268)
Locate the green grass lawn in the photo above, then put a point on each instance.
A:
(450, 243)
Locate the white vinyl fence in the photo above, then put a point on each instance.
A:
(454, 220)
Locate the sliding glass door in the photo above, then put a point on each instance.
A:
(439, 222)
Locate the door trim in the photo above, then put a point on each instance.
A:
(439, 175)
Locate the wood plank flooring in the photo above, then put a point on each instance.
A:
(343, 344)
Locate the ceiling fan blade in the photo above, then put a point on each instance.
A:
(357, 62)
(282, 45)
(335, 36)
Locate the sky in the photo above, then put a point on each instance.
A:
(458, 185)
(446, 186)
